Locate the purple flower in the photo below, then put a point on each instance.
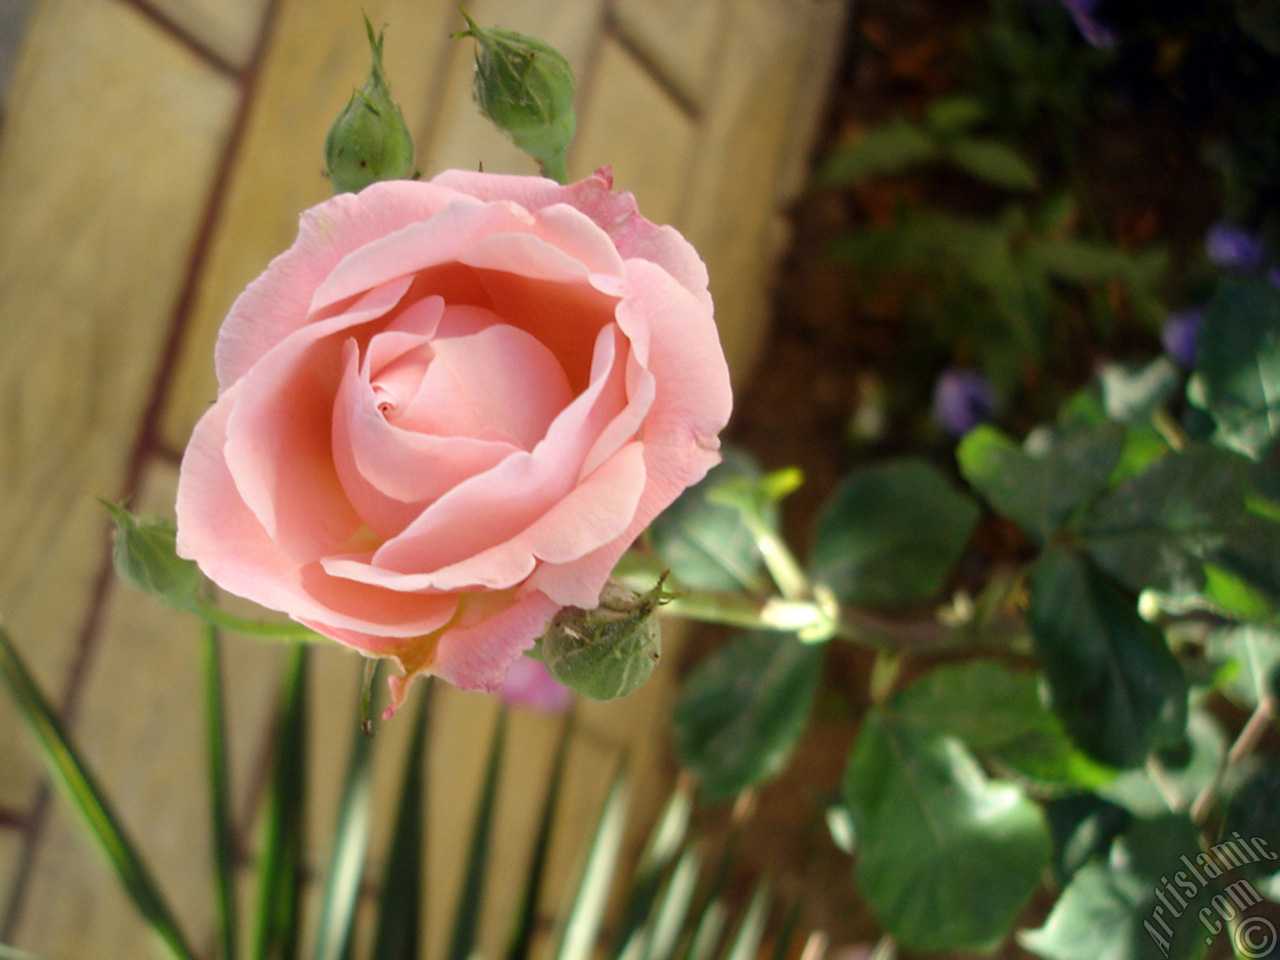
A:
(1179, 333)
(529, 684)
(1097, 34)
(1232, 247)
(962, 399)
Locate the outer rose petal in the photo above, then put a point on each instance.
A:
(614, 212)
(476, 656)
(217, 529)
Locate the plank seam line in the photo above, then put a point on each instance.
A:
(145, 445)
(684, 100)
(186, 38)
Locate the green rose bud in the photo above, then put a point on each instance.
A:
(370, 140)
(146, 558)
(526, 88)
(610, 651)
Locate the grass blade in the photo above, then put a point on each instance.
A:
(711, 914)
(782, 947)
(397, 936)
(467, 919)
(673, 908)
(746, 942)
(350, 842)
(581, 923)
(224, 844)
(527, 917)
(280, 861)
(662, 847)
(68, 771)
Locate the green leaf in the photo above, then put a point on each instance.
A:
(1159, 529)
(397, 936)
(1112, 677)
(947, 857)
(1042, 488)
(280, 867)
(1084, 826)
(950, 115)
(1110, 909)
(222, 826)
(82, 792)
(350, 842)
(998, 715)
(1132, 394)
(708, 546)
(891, 533)
(13, 953)
(1254, 650)
(992, 162)
(1239, 364)
(893, 148)
(466, 923)
(1184, 769)
(1081, 261)
(742, 710)
(580, 924)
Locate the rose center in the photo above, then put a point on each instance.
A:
(466, 375)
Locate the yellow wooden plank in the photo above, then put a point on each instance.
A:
(774, 64)
(677, 37)
(140, 726)
(229, 28)
(317, 55)
(107, 152)
(75, 906)
(10, 850)
(629, 124)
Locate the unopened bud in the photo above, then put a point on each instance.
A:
(526, 88)
(370, 140)
(145, 557)
(610, 651)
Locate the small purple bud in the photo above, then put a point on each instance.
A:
(1096, 33)
(529, 684)
(1273, 275)
(1179, 333)
(962, 399)
(1232, 247)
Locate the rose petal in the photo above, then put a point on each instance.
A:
(489, 376)
(390, 474)
(476, 655)
(415, 247)
(615, 212)
(277, 302)
(217, 529)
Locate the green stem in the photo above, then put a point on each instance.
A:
(556, 168)
(224, 848)
(215, 615)
(781, 562)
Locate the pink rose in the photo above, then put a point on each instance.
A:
(447, 410)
